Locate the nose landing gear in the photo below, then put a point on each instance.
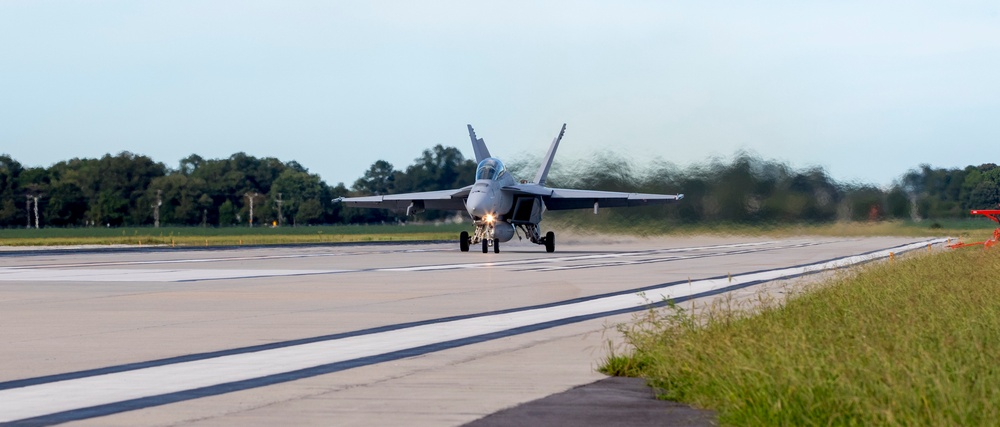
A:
(487, 243)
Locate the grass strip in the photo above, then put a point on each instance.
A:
(911, 342)
(644, 226)
(227, 236)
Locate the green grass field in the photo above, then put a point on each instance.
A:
(912, 342)
(228, 236)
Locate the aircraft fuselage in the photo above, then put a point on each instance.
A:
(489, 204)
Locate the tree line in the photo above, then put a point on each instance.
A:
(134, 190)
(748, 189)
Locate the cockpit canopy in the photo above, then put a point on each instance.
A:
(491, 169)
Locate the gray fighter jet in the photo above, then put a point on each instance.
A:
(500, 205)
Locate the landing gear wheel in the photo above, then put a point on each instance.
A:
(463, 241)
(486, 246)
(550, 242)
(496, 246)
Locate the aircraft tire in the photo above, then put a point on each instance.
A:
(463, 241)
(496, 246)
(486, 246)
(550, 242)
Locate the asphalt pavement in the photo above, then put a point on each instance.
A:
(611, 402)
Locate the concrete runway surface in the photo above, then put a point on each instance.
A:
(408, 334)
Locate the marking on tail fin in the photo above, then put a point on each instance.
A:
(543, 170)
(478, 146)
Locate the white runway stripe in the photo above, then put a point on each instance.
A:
(43, 399)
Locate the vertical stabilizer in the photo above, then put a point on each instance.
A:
(543, 170)
(478, 146)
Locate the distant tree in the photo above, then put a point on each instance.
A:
(190, 164)
(333, 213)
(985, 187)
(865, 203)
(111, 209)
(309, 212)
(379, 179)
(66, 205)
(297, 187)
(898, 204)
(9, 214)
(120, 184)
(438, 168)
(227, 214)
(181, 196)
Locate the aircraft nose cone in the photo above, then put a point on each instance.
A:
(479, 204)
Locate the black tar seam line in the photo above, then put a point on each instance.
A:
(251, 349)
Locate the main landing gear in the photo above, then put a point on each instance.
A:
(464, 241)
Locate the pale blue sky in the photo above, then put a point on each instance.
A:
(865, 89)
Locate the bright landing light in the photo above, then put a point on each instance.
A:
(489, 218)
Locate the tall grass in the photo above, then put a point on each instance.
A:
(914, 342)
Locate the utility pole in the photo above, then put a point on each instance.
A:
(279, 201)
(251, 196)
(27, 210)
(156, 209)
(36, 213)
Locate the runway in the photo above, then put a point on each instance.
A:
(349, 335)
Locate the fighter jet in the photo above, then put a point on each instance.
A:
(501, 206)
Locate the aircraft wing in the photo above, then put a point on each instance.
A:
(441, 200)
(563, 198)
